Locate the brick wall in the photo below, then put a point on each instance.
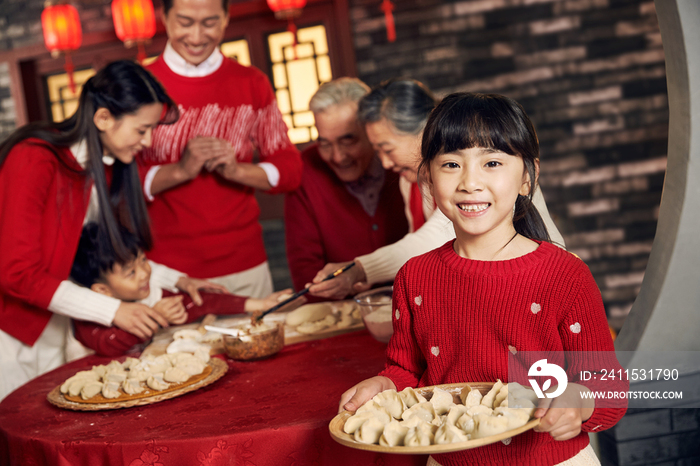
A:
(590, 73)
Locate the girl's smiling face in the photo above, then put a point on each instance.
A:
(476, 189)
(126, 136)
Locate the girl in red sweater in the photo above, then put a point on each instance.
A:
(498, 289)
(54, 177)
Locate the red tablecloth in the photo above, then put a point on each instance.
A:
(269, 412)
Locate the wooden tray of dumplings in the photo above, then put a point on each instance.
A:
(214, 370)
(336, 428)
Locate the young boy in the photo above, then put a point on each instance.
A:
(139, 280)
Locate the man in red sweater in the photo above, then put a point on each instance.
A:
(347, 205)
(198, 175)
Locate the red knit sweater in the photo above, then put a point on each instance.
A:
(325, 223)
(44, 196)
(208, 227)
(112, 341)
(456, 320)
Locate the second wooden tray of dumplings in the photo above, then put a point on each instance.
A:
(336, 428)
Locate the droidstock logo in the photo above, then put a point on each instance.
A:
(542, 368)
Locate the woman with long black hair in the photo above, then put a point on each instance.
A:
(53, 178)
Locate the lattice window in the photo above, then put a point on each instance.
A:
(62, 102)
(296, 80)
(237, 49)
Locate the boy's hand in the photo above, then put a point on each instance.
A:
(263, 304)
(192, 285)
(562, 416)
(138, 319)
(172, 309)
(363, 391)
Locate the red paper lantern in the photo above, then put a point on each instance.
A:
(387, 8)
(134, 22)
(285, 9)
(62, 33)
(61, 25)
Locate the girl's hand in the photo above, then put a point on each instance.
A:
(562, 416)
(138, 319)
(192, 285)
(349, 282)
(263, 304)
(363, 391)
(172, 309)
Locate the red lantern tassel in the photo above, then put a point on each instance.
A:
(69, 71)
(141, 55)
(291, 27)
(387, 7)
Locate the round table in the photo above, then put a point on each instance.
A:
(270, 412)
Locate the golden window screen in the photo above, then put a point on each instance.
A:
(62, 102)
(297, 72)
(237, 49)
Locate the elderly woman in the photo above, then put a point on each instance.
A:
(394, 114)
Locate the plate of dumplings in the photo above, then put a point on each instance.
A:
(137, 382)
(438, 419)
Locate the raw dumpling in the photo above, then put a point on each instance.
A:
(129, 362)
(420, 436)
(356, 420)
(370, 431)
(185, 345)
(77, 385)
(377, 411)
(410, 397)
(308, 313)
(455, 413)
(470, 396)
(176, 375)
(487, 400)
(117, 377)
(424, 411)
(442, 401)
(156, 382)
(192, 366)
(517, 391)
(393, 435)
(90, 389)
(466, 423)
(479, 409)
(517, 417)
(139, 375)
(391, 400)
(82, 375)
(500, 396)
(111, 389)
(202, 354)
(99, 370)
(132, 386)
(448, 433)
(487, 425)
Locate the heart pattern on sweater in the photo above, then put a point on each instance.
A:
(397, 314)
(506, 441)
(575, 327)
(512, 349)
(535, 308)
(418, 300)
(435, 350)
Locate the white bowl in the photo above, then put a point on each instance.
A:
(375, 307)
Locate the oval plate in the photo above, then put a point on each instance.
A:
(218, 369)
(336, 428)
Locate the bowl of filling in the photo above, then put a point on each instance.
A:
(375, 307)
(254, 341)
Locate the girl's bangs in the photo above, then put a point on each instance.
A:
(479, 122)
